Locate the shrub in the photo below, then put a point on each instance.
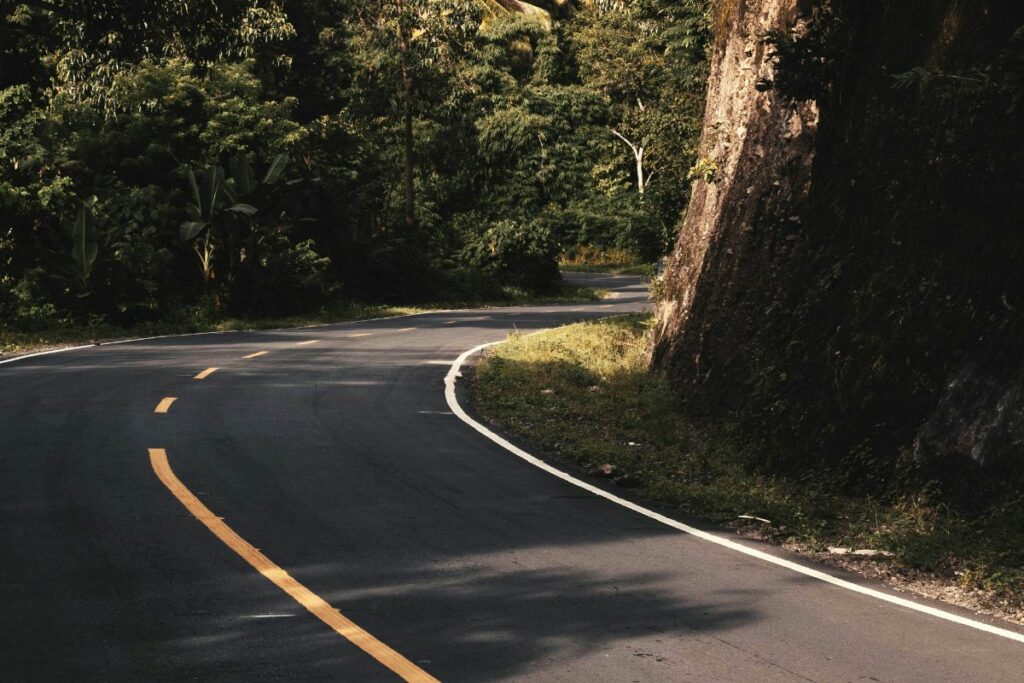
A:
(518, 254)
(284, 277)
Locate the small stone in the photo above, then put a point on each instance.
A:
(871, 552)
(839, 551)
(605, 470)
(594, 389)
(547, 392)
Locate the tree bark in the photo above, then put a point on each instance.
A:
(762, 148)
(408, 92)
(410, 189)
(640, 184)
(638, 157)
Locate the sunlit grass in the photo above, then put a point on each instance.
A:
(582, 392)
(587, 259)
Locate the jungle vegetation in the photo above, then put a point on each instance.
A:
(265, 157)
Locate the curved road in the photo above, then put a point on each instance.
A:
(335, 454)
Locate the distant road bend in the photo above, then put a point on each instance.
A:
(303, 505)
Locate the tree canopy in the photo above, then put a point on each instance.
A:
(422, 148)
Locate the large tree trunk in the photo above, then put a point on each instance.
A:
(756, 152)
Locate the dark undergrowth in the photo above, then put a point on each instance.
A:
(56, 333)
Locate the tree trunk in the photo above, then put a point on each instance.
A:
(404, 46)
(640, 171)
(761, 149)
(638, 157)
(410, 189)
(844, 277)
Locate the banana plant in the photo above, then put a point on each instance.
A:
(84, 248)
(222, 207)
(210, 203)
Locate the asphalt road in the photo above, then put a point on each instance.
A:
(341, 462)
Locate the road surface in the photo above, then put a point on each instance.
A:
(393, 540)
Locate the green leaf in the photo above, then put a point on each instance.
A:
(84, 245)
(191, 229)
(247, 209)
(196, 198)
(242, 177)
(276, 169)
(231, 192)
(211, 181)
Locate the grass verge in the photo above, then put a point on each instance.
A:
(643, 269)
(56, 335)
(581, 393)
(585, 259)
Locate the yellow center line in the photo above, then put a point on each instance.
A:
(254, 355)
(280, 578)
(165, 404)
(205, 373)
(358, 334)
(307, 342)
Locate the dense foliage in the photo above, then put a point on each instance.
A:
(263, 156)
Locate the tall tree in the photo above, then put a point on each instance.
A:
(648, 58)
(409, 51)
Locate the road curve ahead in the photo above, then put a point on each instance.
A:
(302, 505)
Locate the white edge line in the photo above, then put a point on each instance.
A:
(111, 343)
(198, 334)
(229, 332)
(454, 373)
(45, 353)
(273, 329)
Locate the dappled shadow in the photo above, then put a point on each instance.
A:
(488, 622)
(342, 462)
(339, 460)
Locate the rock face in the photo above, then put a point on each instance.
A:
(980, 415)
(847, 283)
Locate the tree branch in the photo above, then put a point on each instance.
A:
(623, 138)
(647, 180)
